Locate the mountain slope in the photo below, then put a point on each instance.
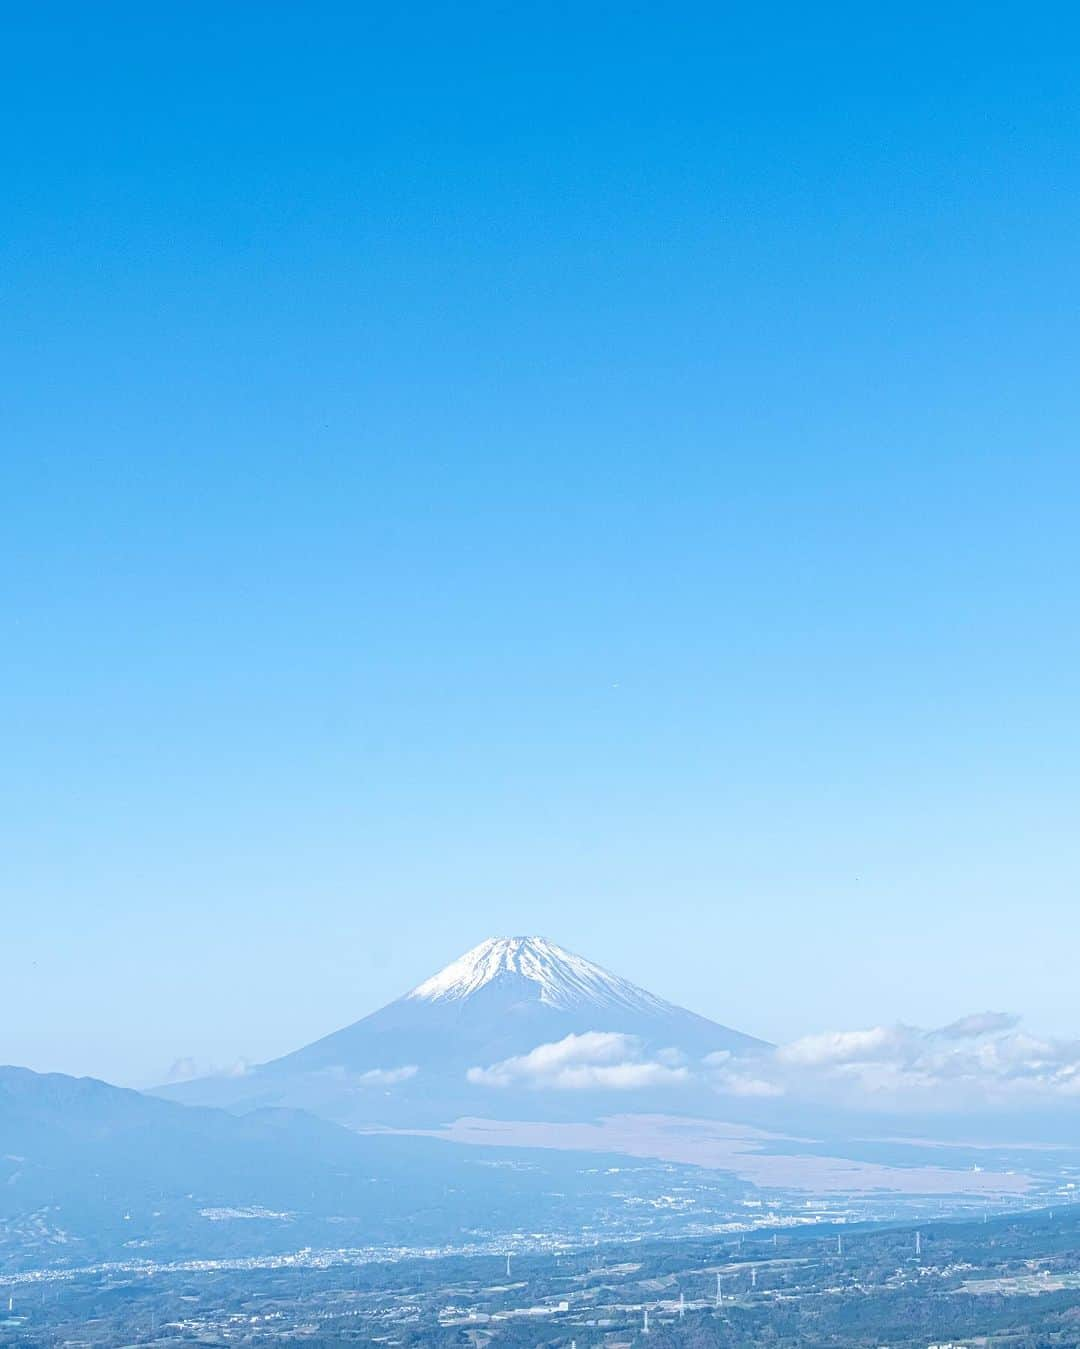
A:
(424, 1053)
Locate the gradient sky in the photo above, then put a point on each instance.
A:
(605, 471)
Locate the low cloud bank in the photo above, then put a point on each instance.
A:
(984, 1059)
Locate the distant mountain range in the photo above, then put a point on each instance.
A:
(489, 1033)
(103, 1152)
(92, 1172)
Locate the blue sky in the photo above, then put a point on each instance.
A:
(598, 471)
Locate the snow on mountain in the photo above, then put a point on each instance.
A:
(562, 979)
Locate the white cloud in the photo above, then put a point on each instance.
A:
(387, 1077)
(595, 1060)
(743, 1084)
(620, 1076)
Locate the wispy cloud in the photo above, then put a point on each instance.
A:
(979, 1023)
(188, 1068)
(596, 1060)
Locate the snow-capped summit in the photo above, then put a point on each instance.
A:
(562, 979)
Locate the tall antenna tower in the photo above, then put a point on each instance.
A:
(918, 1243)
(645, 1321)
(682, 1304)
(839, 1244)
(507, 1264)
(719, 1291)
(753, 1276)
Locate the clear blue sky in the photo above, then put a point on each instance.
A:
(606, 471)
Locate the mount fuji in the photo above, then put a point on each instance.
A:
(517, 1013)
